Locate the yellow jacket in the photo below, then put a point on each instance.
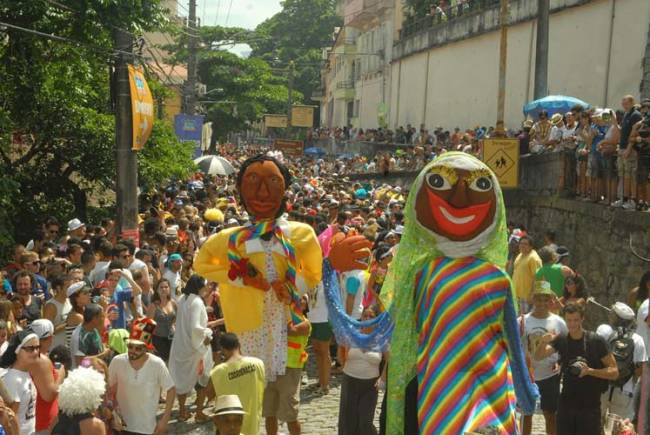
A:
(242, 305)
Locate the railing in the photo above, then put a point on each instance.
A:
(441, 16)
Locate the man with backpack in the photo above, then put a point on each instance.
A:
(629, 352)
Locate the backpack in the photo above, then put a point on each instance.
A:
(622, 347)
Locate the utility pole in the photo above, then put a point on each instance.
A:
(190, 89)
(292, 67)
(541, 50)
(127, 166)
(503, 62)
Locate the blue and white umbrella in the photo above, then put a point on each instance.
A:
(214, 165)
(553, 104)
(315, 151)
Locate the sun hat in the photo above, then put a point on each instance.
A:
(623, 311)
(75, 224)
(228, 404)
(556, 119)
(542, 288)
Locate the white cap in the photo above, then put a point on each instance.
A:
(228, 404)
(42, 327)
(75, 224)
(74, 288)
(399, 229)
(623, 311)
(232, 221)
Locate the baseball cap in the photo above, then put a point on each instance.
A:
(42, 327)
(76, 288)
(623, 311)
(175, 257)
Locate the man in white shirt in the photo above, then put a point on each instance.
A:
(618, 399)
(136, 380)
(353, 285)
(173, 274)
(537, 323)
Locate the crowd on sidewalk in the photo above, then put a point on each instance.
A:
(97, 331)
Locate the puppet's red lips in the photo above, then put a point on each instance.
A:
(457, 221)
(262, 205)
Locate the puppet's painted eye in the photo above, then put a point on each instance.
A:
(481, 184)
(438, 182)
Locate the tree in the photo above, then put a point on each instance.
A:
(57, 142)
(314, 21)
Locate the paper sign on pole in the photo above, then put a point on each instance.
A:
(293, 148)
(277, 121)
(141, 107)
(502, 156)
(302, 116)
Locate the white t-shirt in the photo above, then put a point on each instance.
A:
(175, 284)
(534, 329)
(138, 391)
(608, 333)
(22, 389)
(98, 274)
(354, 283)
(318, 309)
(362, 365)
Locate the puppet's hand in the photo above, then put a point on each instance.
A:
(281, 291)
(258, 281)
(347, 251)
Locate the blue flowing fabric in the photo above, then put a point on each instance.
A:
(348, 330)
(525, 389)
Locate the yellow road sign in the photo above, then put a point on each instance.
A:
(277, 121)
(502, 156)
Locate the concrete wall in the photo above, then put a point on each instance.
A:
(369, 93)
(463, 62)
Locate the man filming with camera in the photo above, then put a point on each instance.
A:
(586, 365)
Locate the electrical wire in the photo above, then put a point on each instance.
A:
(98, 48)
(228, 14)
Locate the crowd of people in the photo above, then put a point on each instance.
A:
(101, 333)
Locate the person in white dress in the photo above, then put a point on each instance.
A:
(190, 359)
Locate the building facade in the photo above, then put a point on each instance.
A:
(444, 72)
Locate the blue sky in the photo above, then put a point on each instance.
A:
(236, 13)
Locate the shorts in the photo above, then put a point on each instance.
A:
(595, 165)
(321, 331)
(549, 392)
(627, 167)
(282, 397)
(643, 168)
(609, 166)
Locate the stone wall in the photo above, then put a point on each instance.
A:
(598, 238)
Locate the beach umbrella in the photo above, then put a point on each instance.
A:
(553, 104)
(214, 165)
(314, 151)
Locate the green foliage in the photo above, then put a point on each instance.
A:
(314, 21)
(55, 96)
(164, 157)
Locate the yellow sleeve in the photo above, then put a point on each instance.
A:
(211, 261)
(308, 254)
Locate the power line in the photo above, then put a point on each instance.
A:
(228, 14)
(98, 48)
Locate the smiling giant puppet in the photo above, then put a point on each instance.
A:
(456, 360)
(262, 268)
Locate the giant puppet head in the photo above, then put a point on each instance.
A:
(262, 182)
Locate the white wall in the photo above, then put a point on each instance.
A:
(462, 87)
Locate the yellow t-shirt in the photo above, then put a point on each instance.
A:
(523, 276)
(245, 378)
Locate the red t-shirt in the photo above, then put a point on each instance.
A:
(46, 412)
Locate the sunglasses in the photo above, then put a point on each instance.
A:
(30, 349)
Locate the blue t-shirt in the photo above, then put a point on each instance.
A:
(601, 130)
(120, 296)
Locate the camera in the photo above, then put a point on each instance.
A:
(575, 367)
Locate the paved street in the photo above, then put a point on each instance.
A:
(318, 414)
